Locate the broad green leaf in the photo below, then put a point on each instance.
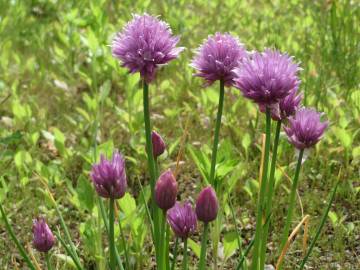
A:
(67, 260)
(230, 244)
(195, 247)
(333, 217)
(85, 193)
(127, 204)
(22, 158)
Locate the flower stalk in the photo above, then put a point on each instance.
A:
(152, 168)
(216, 134)
(261, 198)
(270, 192)
(291, 204)
(202, 261)
(185, 259)
(111, 233)
(48, 263)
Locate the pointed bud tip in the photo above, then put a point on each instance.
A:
(158, 144)
(166, 190)
(207, 205)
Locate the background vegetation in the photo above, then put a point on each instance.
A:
(60, 89)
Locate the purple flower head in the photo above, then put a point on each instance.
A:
(109, 176)
(286, 107)
(158, 144)
(267, 77)
(217, 57)
(207, 205)
(43, 239)
(305, 128)
(182, 219)
(144, 44)
(166, 190)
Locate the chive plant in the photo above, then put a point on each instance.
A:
(270, 79)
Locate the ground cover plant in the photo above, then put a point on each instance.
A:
(192, 140)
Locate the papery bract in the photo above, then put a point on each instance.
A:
(166, 190)
(286, 107)
(207, 205)
(43, 238)
(158, 144)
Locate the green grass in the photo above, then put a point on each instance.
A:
(58, 78)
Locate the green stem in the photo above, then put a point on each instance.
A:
(247, 250)
(175, 254)
(185, 264)
(217, 131)
(146, 209)
(125, 246)
(151, 167)
(105, 219)
(260, 206)
(270, 193)
(68, 250)
(291, 203)
(16, 241)
(48, 263)
(162, 242)
(322, 223)
(167, 240)
(202, 261)
(67, 234)
(111, 234)
(149, 147)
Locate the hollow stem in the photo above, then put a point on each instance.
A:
(202, 261)
(291, 203)
(167, 240)
(48, 263)
(125, 246)
(260, 206)
(162, 242)
(149, 147)
(216, 134)
(111, 234)
(270, 193)
(185, 264)
(106, 224)
(152, 168)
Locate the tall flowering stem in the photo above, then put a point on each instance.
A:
(217, 131)
(48, 263)
(270, 191)
(261, 198)
(291, 203)
(151, 164)
(111, 233)
(203, 247)
(149, 146)
(185, 257)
